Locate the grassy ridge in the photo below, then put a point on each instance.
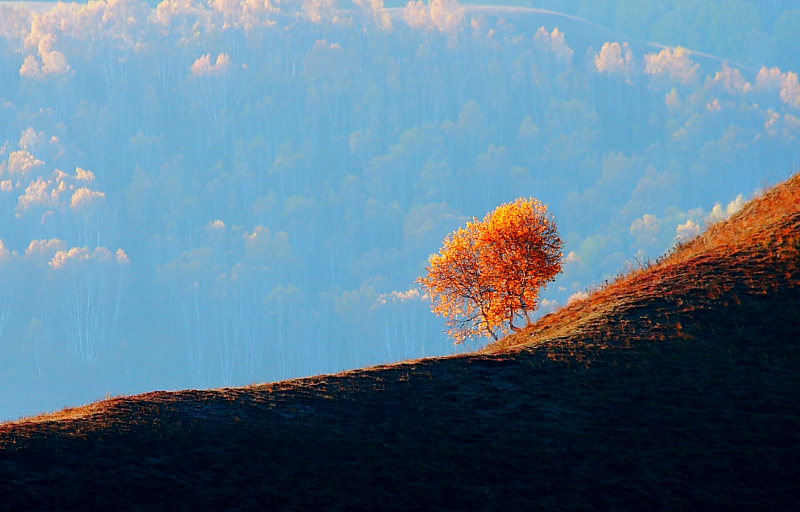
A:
(673, 388)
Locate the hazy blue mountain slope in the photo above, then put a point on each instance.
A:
(189, 190)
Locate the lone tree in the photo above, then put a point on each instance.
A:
(489, 273)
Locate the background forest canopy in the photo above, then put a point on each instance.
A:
(218, 193)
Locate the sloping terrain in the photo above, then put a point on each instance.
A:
(673, 388)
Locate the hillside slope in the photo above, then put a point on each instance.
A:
(673, 388)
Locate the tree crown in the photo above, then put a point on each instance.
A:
(488, 274)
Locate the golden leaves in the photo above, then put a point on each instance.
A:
(489, 272)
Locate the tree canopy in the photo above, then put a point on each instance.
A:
(489, 273)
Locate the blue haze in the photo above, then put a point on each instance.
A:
(215, 194)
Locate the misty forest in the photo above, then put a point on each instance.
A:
(206, 193)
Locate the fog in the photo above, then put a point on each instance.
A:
(205, 194)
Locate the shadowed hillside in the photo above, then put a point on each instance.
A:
(673, 388)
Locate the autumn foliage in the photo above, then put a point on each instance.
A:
(489, 273)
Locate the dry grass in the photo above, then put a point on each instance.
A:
(756, 251)
(673, 388)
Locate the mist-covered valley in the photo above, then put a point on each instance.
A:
(204, 194)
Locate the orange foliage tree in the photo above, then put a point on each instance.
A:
(488, 274)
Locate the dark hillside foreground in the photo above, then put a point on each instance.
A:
(674, 388)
